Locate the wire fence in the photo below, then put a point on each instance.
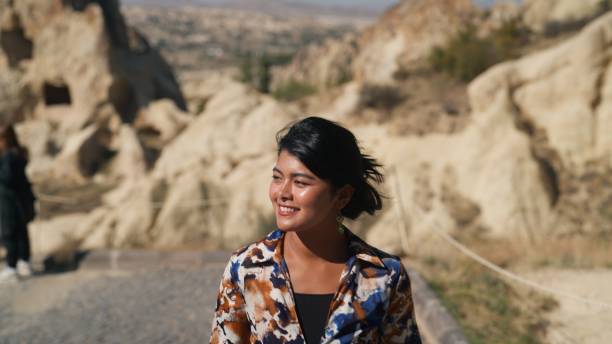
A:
(403, 232)
(200, 203)
(488, 264)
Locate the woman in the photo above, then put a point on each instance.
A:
(15, 197)
(312, 280)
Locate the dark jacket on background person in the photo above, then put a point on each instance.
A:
(16, 197)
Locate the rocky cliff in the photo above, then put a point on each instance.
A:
(72, 65)
(401, 39)
(555, 16)
(535, 159)
(531, 159)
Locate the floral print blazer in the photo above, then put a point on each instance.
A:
(255, 302)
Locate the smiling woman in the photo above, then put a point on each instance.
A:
(312, 280)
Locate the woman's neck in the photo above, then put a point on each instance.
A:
(325, 243)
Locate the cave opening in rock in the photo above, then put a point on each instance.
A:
(56, 94)
(550, 180)
(15, 45)
(122, 96)
(94, 153)
(152, 144)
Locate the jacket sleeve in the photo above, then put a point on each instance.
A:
(230, 323)
(7, 176)
(399, 325)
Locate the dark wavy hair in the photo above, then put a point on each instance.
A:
(332, 153)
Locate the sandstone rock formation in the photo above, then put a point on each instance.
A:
(208, 185)
(532, 159)
(76, 64)
(322, 66)
(551, 16)
(402, 38)
(405, 35)
(523, 167)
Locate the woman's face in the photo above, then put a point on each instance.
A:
(301, 200)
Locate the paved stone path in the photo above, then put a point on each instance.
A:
(145, 297)
(156, 305)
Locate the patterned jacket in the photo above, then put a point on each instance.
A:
(255, 301)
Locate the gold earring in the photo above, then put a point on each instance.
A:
(339, 220)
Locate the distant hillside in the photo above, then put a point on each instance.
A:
(489, 3)
(200, 37)
(362, 9)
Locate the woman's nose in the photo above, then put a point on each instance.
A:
(285, 191)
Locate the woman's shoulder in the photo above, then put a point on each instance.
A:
(393, 264)
(260, 250)
(251, 257)
(391, 269)
(376, 255)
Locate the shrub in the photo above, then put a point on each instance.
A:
(384, 97)
(293, 90)
(488, 309)
(345, 75)
(466, 55)
(255, 69)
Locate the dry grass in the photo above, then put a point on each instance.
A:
(575, 252)
(492, 310)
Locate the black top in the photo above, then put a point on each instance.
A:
(312, 312)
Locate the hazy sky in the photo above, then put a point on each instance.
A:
(358, 3)
(381, 3)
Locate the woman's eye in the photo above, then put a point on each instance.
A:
(300, 183)
(276, 178)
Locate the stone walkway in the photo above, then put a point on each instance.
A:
(159, 305)
(142, 297)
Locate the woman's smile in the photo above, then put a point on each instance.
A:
(287, 211)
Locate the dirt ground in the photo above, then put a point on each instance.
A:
(573, 321)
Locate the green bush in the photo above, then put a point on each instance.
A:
(345, 76)
(293, 90)
(255, 68)
(466, 55)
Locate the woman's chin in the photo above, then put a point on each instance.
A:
(286, 227)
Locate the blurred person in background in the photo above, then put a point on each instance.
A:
(16, 205)
(312, 280)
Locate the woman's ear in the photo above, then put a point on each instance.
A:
(344, 195)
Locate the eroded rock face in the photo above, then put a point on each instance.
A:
(15, 96)
(405, 35)
(569, 126)
(77, 64)
(401, 39)
(528, 163)
(321, 66)
(553, 16)
(533, 159)
(208, 185)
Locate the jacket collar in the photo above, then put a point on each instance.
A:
(270, 249)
